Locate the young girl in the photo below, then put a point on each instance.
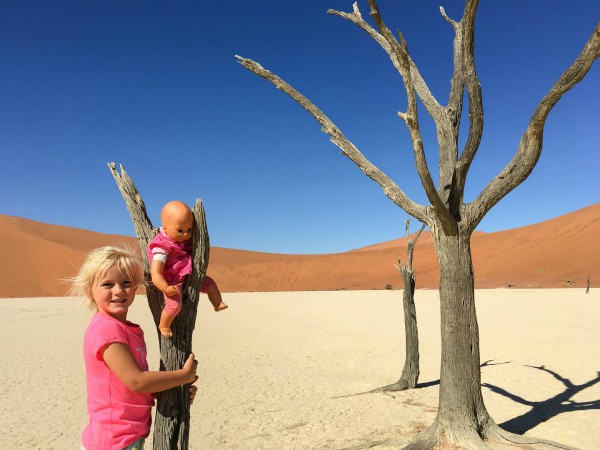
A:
(119, 385)
(170, 256)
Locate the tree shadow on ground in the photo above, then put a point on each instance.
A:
(393, 387)
(543, 410)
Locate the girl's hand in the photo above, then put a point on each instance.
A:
(193, 390)
(189, 369)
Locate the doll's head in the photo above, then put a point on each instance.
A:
(98, 262)
(177, 221)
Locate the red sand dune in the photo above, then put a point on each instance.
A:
(557, 253)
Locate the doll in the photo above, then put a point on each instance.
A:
(170, 256)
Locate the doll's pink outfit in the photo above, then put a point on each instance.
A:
(178, 263)
(177, 257)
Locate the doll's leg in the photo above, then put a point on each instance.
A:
(210, 288)
(169, 312)
(165, 324)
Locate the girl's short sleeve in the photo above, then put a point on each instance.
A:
(105, 332)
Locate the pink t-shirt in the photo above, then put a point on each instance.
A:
(118, 416)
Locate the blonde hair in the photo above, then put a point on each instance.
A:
(98, 261)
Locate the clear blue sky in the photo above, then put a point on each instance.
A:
(155, 86)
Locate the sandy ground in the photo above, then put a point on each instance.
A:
(286, 370)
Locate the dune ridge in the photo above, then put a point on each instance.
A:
(560, 252)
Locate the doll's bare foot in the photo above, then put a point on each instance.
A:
(164, 326)
(221, 307)
(166, 332)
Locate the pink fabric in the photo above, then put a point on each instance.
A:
(118, 416)
(207, 284)
(179, 257)
(173, 304)
(177, 267)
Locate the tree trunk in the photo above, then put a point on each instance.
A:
(462, 418)
(410, 372)
(172, 421)
(461, 407)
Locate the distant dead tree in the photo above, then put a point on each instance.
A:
(172, 421)
(462, 418)
(410, 372)
(587, 289)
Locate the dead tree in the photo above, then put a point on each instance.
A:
(462, 417)
(587, 289)
(172, 421)
(410, 372)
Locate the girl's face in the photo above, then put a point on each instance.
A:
(114, 293)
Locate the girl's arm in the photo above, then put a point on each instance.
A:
(156, 273)
(122, 363)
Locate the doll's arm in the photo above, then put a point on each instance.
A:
(156, 273)
(122, 363)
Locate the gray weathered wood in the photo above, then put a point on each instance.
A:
(172, 420)
(410, 371)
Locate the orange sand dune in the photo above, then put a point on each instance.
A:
(556, 253)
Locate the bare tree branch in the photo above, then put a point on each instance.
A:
(431, 104)
(436, 111)
(447, 120)
(135, 205)
(530, 146)
(411, 117)
(410, 249)
(447, 136)
(419, 233)
(454, 23)
(411, 244)
(473, 86)
(455, 98)
(448, 127)
(390, 189)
